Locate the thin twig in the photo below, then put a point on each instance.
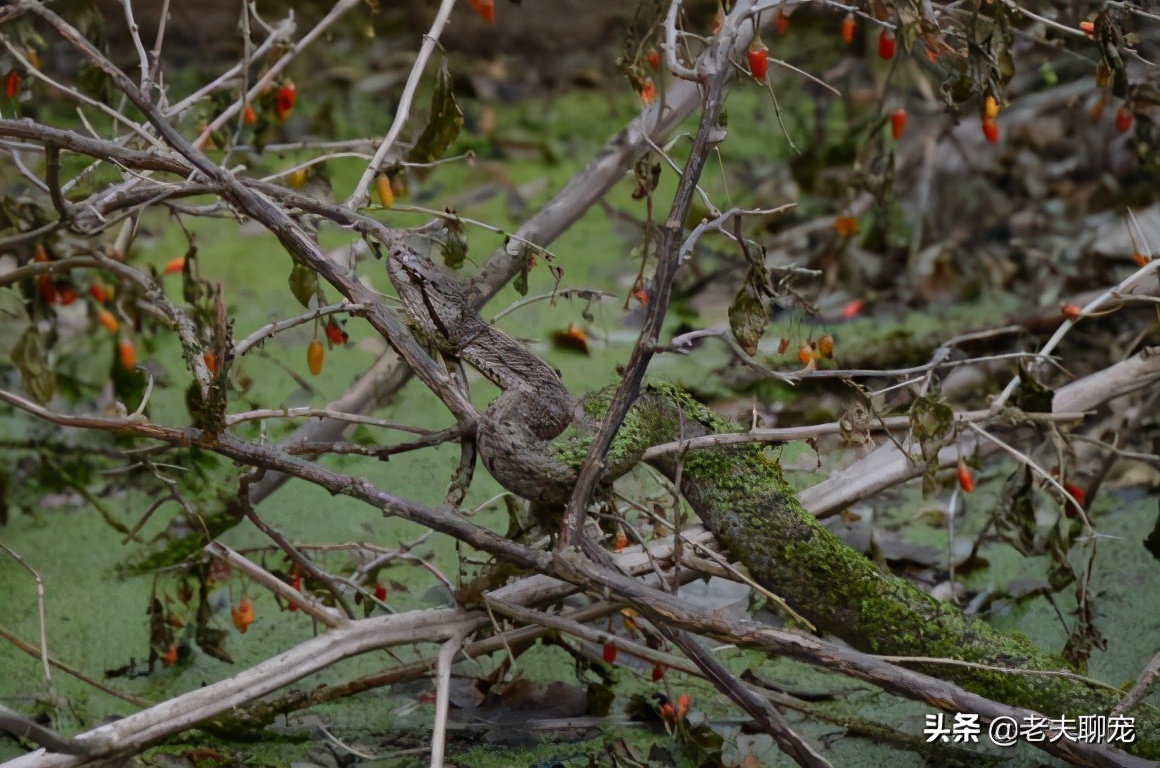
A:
(39, 608)
(403, 110)
(447, 653)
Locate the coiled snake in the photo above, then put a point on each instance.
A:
(526, 432)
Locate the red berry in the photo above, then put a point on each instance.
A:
(658, 672)
(781, 22)
(966, 481)
(886, 45)
(758, 60)
(898, 123)
(991, 131)
(97, 291)
(1075, 503)
(334, 333)
(380, 592)
(609, 653)
(12, 84)
(1123, 119)
(47, 289)
(484, 8)
(1071, 312)
(654, 59)
(284, 100)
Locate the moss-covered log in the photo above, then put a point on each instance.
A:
(742, 497)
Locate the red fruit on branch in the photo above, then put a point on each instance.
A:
(758, 56)
(1123, 119)
(126, 354)
(781, 22)
(609, 653)
(886, 45)
(648, 91)
(849, 26)
(284, 100)
(654, 59)
(966, 481)
(243, 615)
(897, 123)
(334, 333)
(990, 131)
(485, 9)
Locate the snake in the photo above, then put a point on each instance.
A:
(526, 433)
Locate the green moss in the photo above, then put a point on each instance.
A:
(742, 496)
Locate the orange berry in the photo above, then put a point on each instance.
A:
(682, 706)
(248, 115)
(126, 354)
(966, 481)
(210, 361)
(781, 21)
(1071, 312)
(758, 59)
(485, 9)
(1140, 259)
(1087, 27)
(107, 321)
(886, 45)
(805, 353)
(173, 266)
(314, 356)
(897, 123)
(620, 543)
(66, 296)
(849, 25)
(1098, 109)
(648, 91)
(845, 226)
(243, 615)
(169, 658)
(654, 59)
(990, 108)
(386, 194)
(826, 346)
